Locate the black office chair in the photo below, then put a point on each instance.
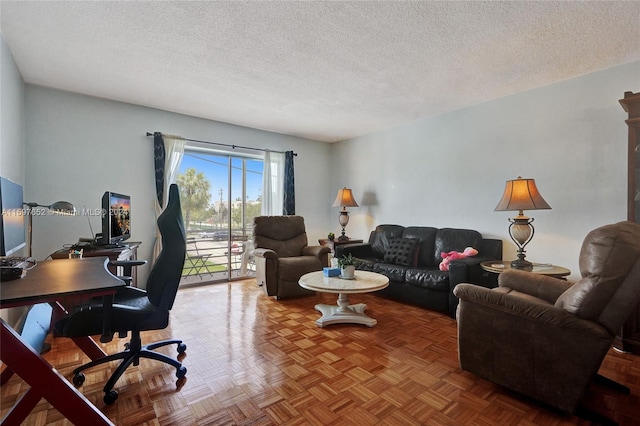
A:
(137, 310)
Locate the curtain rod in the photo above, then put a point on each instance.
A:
(224, 144)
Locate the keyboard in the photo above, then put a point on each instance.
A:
(22, 262)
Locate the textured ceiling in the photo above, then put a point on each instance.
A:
(326, 70)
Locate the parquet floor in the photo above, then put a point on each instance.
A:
(253, 360)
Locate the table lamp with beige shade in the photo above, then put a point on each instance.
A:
(519, 195)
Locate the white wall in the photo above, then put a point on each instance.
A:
(12, 118)
(12, 134)
(450, 170)
(77, 147)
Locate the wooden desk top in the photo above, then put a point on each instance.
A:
(52, 280)
(499, 266)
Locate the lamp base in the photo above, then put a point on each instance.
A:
(343, 219)
(521, 264)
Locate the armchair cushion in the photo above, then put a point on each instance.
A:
(292, 268)
(284, 248)
(286, 235)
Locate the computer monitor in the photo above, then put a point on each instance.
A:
(116, 218)
(12, 227)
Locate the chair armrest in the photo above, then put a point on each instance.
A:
(540, 286)
(317, 251)
(127, 266)
(525, 308)
(127, 279)
(127, 263)
(265, 253)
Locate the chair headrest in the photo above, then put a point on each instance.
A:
(607, 257)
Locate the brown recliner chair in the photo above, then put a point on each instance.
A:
(544, 337)
(282, 255)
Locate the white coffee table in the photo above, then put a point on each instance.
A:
(364, 282)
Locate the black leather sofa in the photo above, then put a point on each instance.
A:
(410, 257)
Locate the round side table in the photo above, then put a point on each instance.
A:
(499, 266)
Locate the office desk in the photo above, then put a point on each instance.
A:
(56, 282)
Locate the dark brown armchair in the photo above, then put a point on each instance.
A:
(282, 255)
(544, 337)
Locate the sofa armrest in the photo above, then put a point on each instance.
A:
(462, 271)
(360, 250)
(459, 268)
(265, 253)
(491, 248)
(541, 286)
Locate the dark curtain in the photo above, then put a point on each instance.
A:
(159, 157)
(289, 185)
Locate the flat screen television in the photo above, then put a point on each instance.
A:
(12, 227)
(116, 218)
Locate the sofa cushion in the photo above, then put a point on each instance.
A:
(393, 272)
(426, 236)
(366, 264)
(428, 278)
(402, 251)
(381, 236)
(450, 239)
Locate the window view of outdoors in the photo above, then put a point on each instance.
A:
(220, 196)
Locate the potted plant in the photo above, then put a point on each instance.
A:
(331, 236)
(347, 265)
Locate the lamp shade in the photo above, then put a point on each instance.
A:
(345, 199)
(521, 194)
(63, 207)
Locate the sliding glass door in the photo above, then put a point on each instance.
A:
(221, 194)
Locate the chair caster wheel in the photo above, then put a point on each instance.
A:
(110, 397)
(78, 379)
(182, 348)
(181, 372)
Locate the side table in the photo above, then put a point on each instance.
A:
(499, 266)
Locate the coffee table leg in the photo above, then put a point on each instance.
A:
(344, 313)
(343, 303)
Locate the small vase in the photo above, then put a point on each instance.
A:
(348, 271)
